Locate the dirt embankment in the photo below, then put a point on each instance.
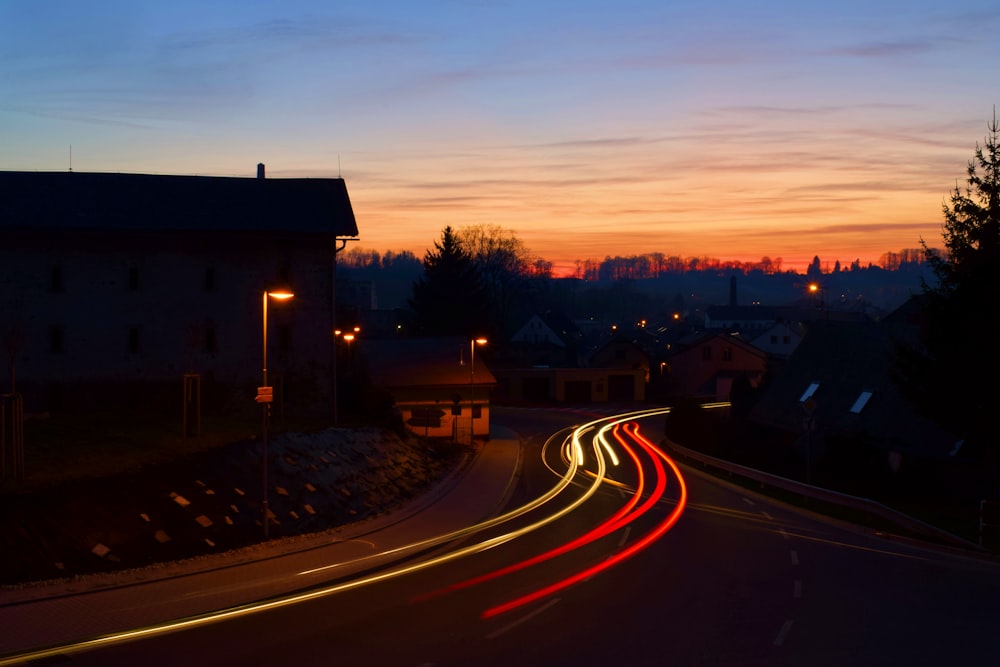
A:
(210, 501)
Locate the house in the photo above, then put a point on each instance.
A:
(439, 385)
(837, 387)
(114, 287)
(550, 340)
(546, 362)
(780, 339)
(706, 365)
(748, 320)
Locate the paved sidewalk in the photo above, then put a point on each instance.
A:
(66, 611)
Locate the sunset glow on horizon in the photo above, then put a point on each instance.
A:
(731, 131)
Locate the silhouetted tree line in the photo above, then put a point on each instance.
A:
(506, 258)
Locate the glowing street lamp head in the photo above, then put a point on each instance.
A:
(480, 341)
(281, 295)
(813, 287)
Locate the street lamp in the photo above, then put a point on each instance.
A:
(348, 337)
(816, 288)
(265, 394)
(472, 386)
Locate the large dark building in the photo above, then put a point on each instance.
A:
(113, 287)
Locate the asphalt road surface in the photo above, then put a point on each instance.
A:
(629, 565)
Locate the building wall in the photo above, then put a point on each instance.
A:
(98, 309)
(696, 371)
(455, 419)
(565, 385)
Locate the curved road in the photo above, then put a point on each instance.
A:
(727, 578)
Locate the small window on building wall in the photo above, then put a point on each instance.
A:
(210, 279)
(774, 340)
(133, 278)
(706, 353)
(727, 354)
(620, 354)
(786, 340)
(56, 280)
(211, 343)
(56, 339)
(133, 340)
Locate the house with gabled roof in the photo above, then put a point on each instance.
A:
(114, 288)
(705, 366)
(548, 360)
(780, 339)
(440, 386)
(837, 386)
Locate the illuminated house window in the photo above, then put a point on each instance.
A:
(862, 401)
(810, 390)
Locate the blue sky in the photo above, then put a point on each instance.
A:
(726, 129)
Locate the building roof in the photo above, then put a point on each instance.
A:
(423, 362)
(691, 344)
(840, 376)
(82, 201)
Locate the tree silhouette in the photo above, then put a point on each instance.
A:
(950, 372)
(449, 298)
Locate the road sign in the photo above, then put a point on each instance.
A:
(265, 395)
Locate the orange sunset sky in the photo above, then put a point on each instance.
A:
(731, 130)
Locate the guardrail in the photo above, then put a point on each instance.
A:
(861, 505)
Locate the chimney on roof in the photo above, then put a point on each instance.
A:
(260, 170)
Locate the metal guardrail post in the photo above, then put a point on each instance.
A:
(989, 516)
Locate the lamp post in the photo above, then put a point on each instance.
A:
(816, 288)
(472, 386)
(264, 397)
(348, 338)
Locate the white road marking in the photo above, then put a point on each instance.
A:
(766, 515)
(783, 633)
(748, 501)
(496, 633)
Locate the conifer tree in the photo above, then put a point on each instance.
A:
(448, 299)
(951, 373)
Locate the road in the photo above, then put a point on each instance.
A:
(727, 578)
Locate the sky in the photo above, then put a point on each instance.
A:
(725, 129)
